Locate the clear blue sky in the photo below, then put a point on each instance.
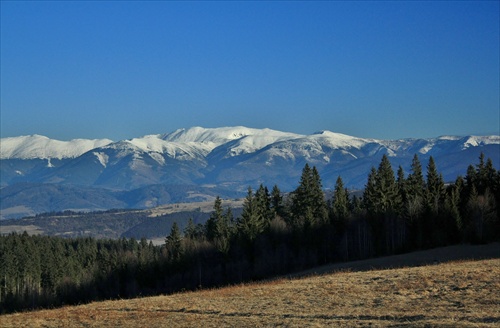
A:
(121, 69)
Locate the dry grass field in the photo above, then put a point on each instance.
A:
(206, 207)
(452, 294)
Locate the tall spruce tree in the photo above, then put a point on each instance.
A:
(277, 202)
(414, 204)
(215, 217)
(401, 183)
(453, 215)
(340, 206)
(369, 193)
(218, 227)
(435, 187)
(263, 199)
(415, 181)
(386, 188)
(251, 223)
(173, 243)
(320, 210)
(308, 202)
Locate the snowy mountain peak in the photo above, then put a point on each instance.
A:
(208, 135)
(219, 136)
(474, 141)
(230, 158)
(339, 140)
(37, 146)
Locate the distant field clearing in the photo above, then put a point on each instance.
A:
(30, 229)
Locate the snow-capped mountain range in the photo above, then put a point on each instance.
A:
(229, 157)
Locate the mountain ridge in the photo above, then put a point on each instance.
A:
(231, 158)
(39, 146)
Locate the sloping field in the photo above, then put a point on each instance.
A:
(453, 294)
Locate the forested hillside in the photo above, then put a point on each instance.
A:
(273, 235)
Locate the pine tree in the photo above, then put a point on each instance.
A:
(369, 193)
(251, 223)
(218, 227)
(301, 196)
(340, 206)
(452, 207)
(263, 200)
(190, 230)
(277, 202)
(482, 175)
(308, 202)
(386, 191)
(435, 187)
(415, 181)
(223, 232)
(215, 217)
(320, 210)
(401, 183)
(173, 243)
(471, 178)
(413, 207)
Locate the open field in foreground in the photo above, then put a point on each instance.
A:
(453, 294)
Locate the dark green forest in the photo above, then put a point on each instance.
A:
(275, 234)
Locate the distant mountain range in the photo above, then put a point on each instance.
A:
(40, 174)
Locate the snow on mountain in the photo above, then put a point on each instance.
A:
(36, 146)
(475, 141)
(231, 158)
(235, 156)
(181, 150)
(338, 140)
(214, 137)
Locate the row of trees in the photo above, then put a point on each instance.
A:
(275, 234)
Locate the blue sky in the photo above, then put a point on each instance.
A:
(120, 70)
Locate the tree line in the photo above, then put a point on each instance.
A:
(276, 233)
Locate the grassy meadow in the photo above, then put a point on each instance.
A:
(461, 293)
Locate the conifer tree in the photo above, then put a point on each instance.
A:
(173, 243)
(485, 175)
(415, 181)
(401, 183)
(277, 202)
(435, 186)
(386, 190)
(218, 227)
(215, 217)
(320, 210)
(452, 207)
(190, 230)
(481, 174)
(301, 195)
(263, 200)
(340, 206)
(369, 193)
(471, 178)
(308, 202)
(223, 232)
(414, 204)
(251, 223)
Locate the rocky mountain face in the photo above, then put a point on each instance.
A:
(229, 159)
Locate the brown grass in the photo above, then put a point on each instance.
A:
(454, 294)
(206, 207)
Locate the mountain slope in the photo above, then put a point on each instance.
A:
(41, 147)
(229, 157)
(450, 294)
